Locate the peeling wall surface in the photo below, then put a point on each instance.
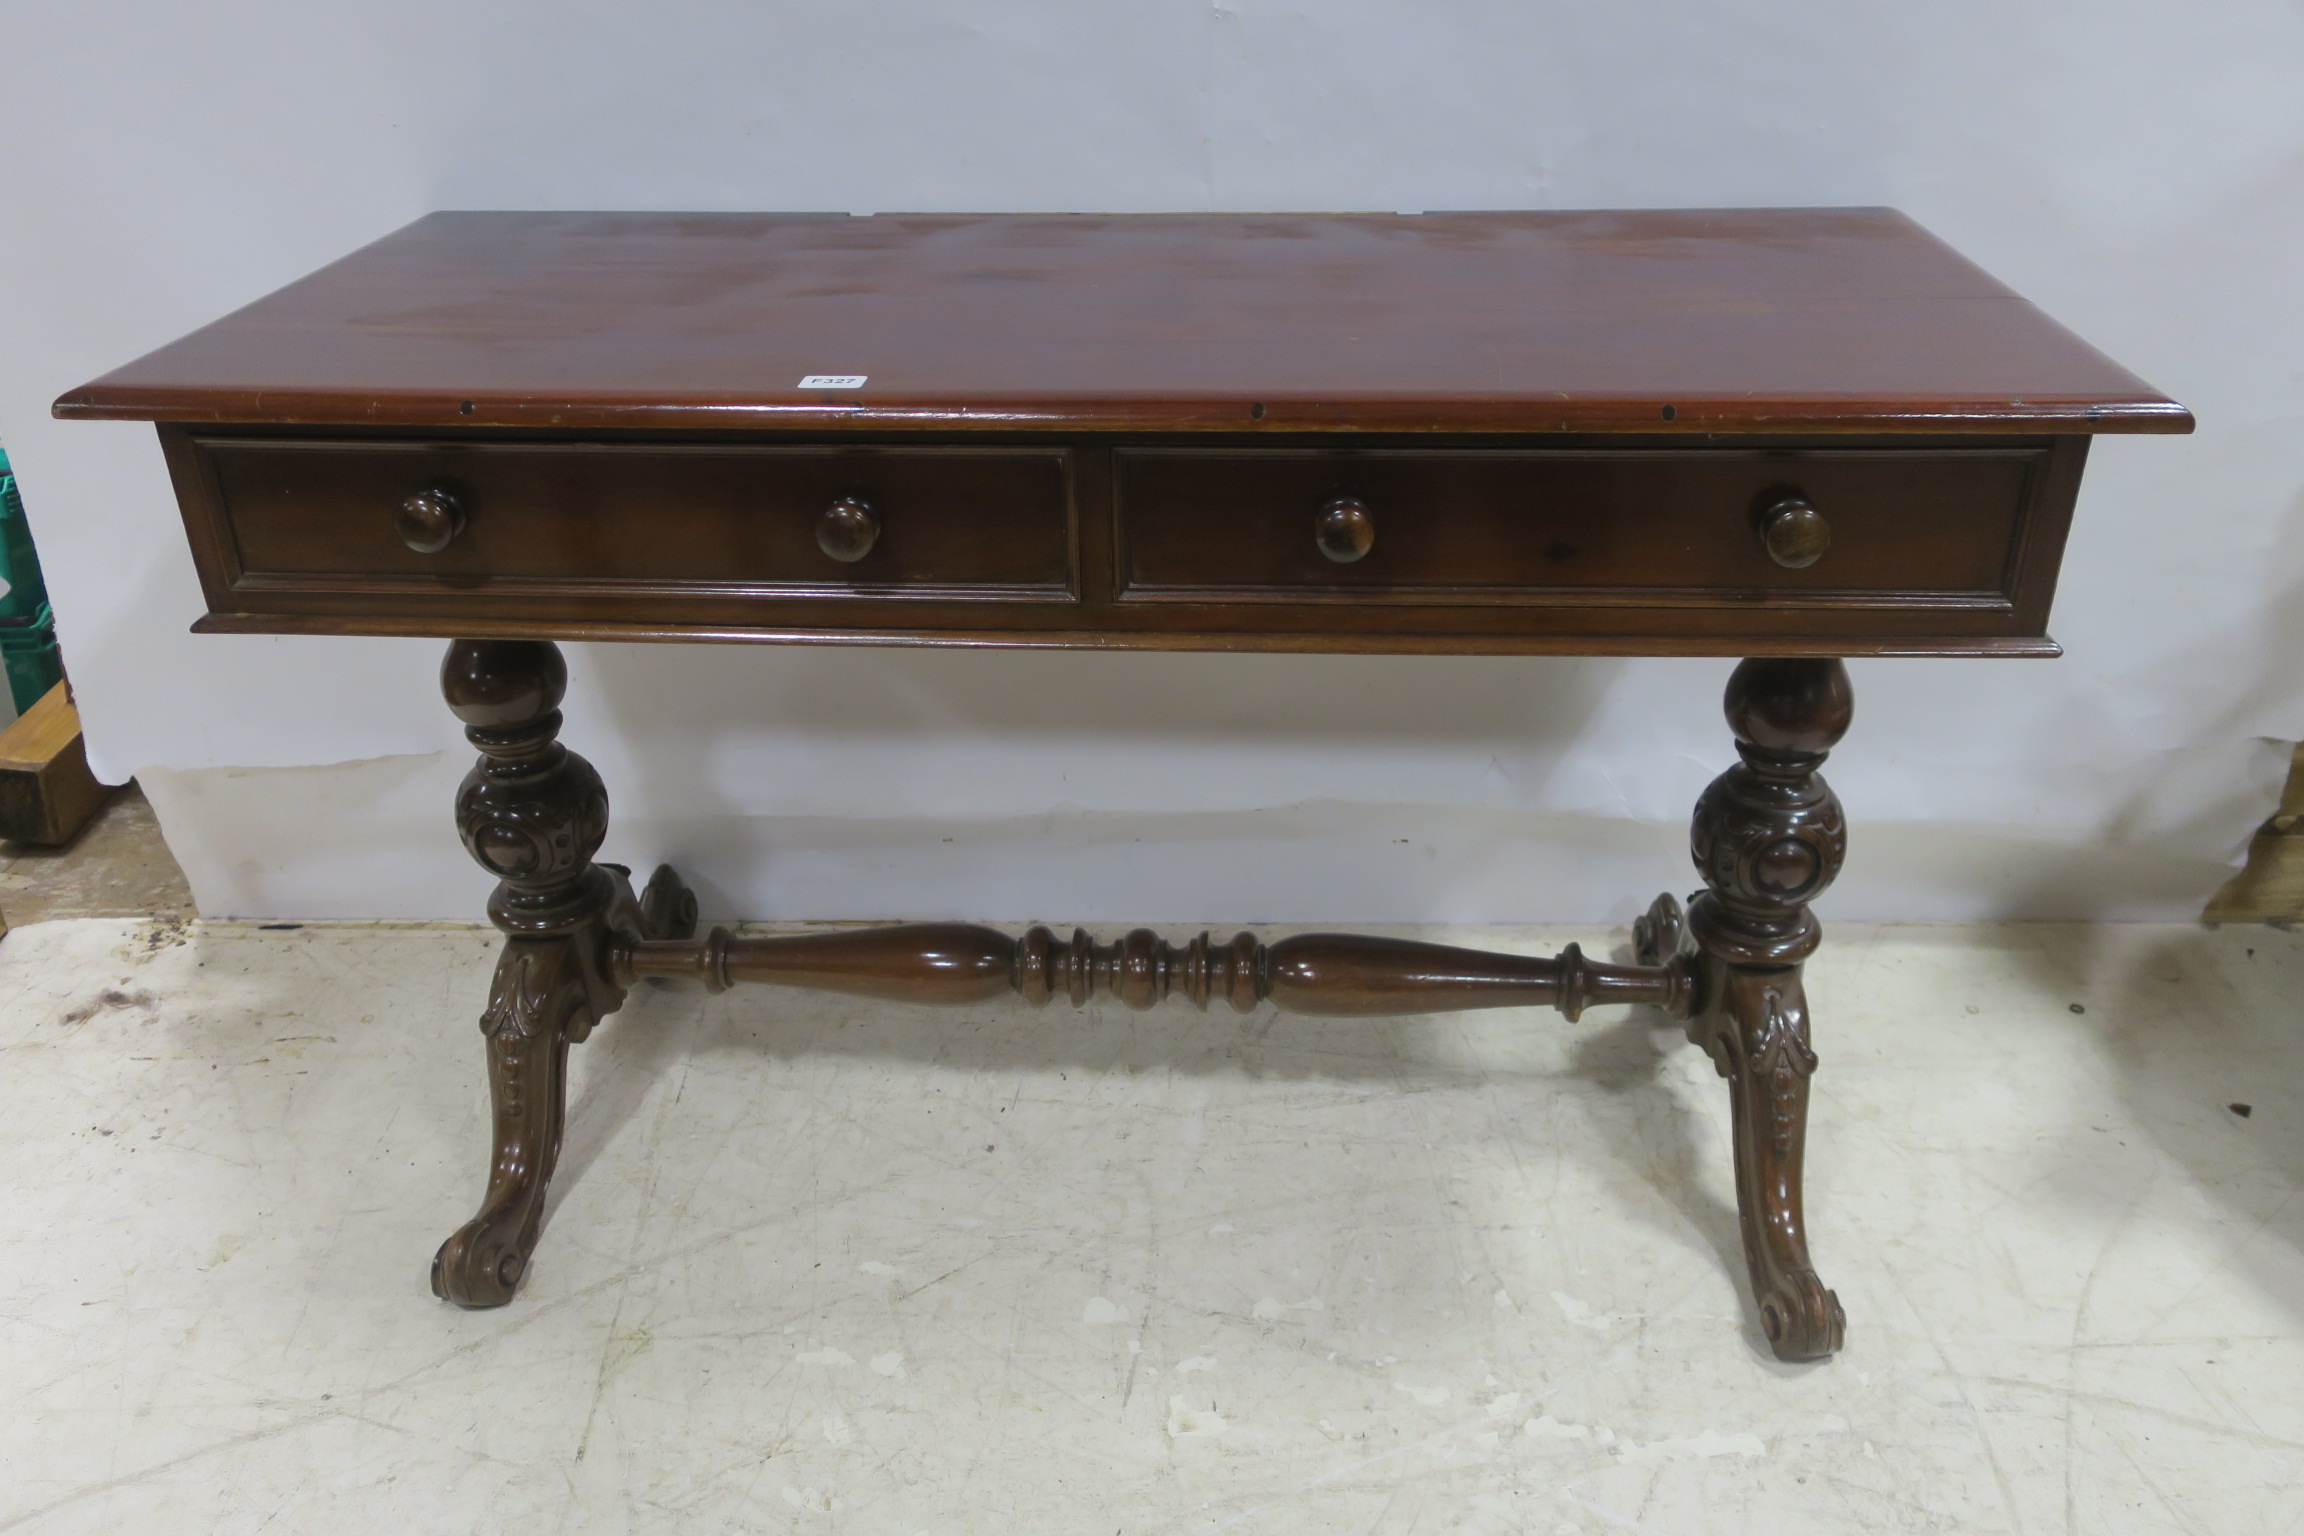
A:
(2137, 171)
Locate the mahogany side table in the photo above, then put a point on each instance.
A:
(1788, 435)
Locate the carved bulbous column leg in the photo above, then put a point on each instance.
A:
(533, 814)
(1768, 837)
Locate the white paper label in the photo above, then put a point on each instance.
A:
(833, 381)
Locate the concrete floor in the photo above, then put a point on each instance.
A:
(822, 1266)
(117, 867)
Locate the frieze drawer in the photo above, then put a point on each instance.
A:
(782, 521)
(1679, 526)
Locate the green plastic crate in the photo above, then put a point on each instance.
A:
(24, 601)
(29, 656)
(27, 628)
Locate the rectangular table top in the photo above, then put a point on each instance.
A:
(1773, 321)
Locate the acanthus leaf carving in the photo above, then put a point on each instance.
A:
(1781, 1057)
(516, 1001)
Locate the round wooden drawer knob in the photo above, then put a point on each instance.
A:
(1345, 531)
(847, 530)
(1794, 534)
(429, 521)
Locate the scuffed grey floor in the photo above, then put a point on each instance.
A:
(822, 1266)
(117, 866)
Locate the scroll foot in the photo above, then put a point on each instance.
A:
(1802, 1319)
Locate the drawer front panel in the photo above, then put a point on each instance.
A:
(1578, 528)
(546, 517)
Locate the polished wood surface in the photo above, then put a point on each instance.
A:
(1344, 530)
(1333, 975)
(532, 813)
(1795, 534)
(1786, 435)
(333, 516)
(1686, 321)
(1602, 642)
(1504, 433)
(1941, 546)
(1535, 527)
(1768, 837)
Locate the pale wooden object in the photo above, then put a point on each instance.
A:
(2270, 886)
(47, 793)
